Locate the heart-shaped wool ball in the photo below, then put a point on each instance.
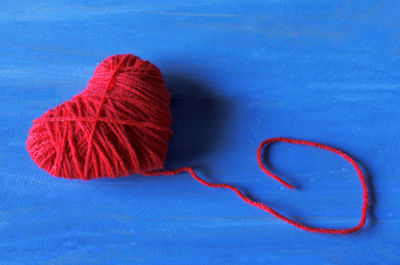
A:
(119, 125)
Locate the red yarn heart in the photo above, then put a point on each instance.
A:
(119, 125)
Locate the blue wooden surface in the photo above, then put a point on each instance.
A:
(239, 72)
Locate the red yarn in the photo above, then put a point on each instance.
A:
(120, 125)
(269, 209)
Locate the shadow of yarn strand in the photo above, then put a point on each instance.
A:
(199, 116)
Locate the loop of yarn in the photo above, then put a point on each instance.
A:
(268, 209)
(120, 125)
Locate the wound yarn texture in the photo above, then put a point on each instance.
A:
(120, 125)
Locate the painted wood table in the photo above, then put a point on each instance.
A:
(239, 72)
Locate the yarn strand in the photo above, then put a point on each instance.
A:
(98, 113)
(268, 209)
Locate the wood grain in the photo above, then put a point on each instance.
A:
(239, 72)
